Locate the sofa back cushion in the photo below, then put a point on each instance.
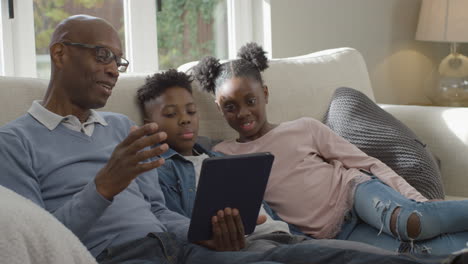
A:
(299, 86)
(17, 94)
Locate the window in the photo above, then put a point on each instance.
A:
(189, 30)
(48, 13)
(155, 37)
(2, 60)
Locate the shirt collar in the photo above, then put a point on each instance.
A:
(170, 152)
(52, 120)
(96, 118)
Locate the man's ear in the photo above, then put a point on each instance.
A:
(57, 54)
(266, 93)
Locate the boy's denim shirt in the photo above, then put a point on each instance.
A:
(177, 180)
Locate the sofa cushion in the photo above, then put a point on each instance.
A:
(17, 94)
(31, 235)
(352, 115)
(299, 86)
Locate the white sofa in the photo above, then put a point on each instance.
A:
(299, 86)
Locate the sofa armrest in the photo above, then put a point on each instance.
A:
(445, 131)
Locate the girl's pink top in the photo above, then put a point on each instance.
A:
(314, 174)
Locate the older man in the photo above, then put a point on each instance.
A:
(89, 168)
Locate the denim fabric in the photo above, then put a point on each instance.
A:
(266, 242)
(440, 245)
(442, 223)
(160, 248)
(163, 248)
(177, 180)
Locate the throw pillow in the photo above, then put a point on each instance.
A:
(359, 120)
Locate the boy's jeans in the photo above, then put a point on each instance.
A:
(374, 203)
(163, 248)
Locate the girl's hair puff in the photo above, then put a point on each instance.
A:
(206, 73)
(253, 53)
(211, 74)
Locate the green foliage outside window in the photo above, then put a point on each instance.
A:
(48, 13)
(185, 31)
(185, 27)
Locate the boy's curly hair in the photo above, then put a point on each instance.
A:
(158, 83)
(212, 74)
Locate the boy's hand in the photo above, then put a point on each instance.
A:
(127, 160)
(228, 231)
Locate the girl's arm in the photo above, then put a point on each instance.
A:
(334, 148)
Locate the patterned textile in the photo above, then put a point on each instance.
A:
(352, 115)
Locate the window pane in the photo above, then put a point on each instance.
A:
(48, 13)
(191, 29)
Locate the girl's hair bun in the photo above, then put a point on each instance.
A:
(255, 54)
(206, 72)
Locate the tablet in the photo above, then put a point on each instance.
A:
(237, 181)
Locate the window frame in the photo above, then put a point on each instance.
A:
(19, 46)
(249, 20)
(18, 50)
(139, 21)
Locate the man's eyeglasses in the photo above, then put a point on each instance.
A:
(103, 55)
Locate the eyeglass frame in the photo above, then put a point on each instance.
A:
(96, 48)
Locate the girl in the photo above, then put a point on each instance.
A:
(319, 181)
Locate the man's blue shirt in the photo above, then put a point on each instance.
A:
(56, 170)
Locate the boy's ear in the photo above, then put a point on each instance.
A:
(266, 93)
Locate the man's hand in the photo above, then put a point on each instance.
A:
(228, 231)
(127, 160)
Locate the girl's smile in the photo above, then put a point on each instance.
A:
(248, 126)
(243, 103)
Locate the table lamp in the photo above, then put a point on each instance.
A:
(447, 21)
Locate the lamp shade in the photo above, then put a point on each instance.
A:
(443, 20)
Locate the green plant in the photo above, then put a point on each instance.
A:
(185, 31)
(48, 13)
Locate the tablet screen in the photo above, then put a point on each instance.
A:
(237, 181)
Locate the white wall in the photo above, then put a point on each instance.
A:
(382, 30)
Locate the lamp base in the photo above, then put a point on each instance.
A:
(451, 81)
